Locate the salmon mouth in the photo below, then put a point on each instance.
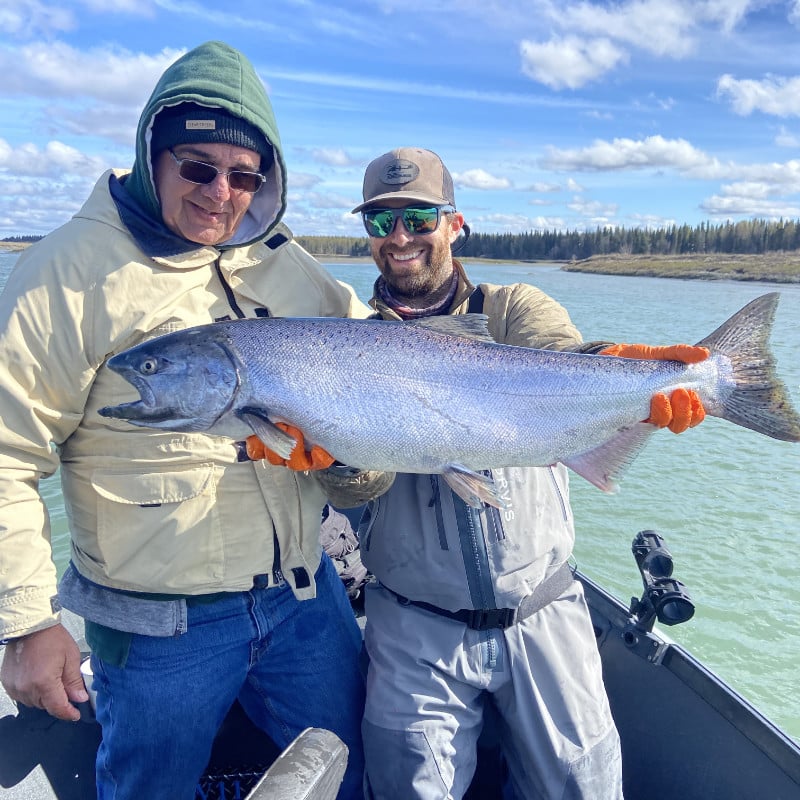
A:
(146, 408)
(138, 410)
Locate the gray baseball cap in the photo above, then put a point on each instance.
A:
(407, 173)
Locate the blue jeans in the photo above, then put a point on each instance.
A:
(291, 664)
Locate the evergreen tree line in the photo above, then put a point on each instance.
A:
(349, 246)
(753, 236)
(21, 239)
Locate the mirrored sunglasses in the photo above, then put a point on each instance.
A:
(202, 173)
(380, 222)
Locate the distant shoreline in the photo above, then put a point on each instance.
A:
(770, 267)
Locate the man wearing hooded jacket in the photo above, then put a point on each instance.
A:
(198, 571)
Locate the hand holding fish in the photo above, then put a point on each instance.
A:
(300, 459)
(683, 408)
(685, 353)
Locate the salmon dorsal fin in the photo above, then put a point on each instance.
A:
(605, 465)
(470, 326)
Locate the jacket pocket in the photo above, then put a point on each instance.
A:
(160, 531)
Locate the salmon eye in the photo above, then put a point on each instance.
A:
(149, 366)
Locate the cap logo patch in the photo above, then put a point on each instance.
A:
(399, 171)
(201, 124)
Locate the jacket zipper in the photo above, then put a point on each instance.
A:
(228, 291)
(560, 497)
(474, 553)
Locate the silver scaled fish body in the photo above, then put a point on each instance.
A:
(439, 396)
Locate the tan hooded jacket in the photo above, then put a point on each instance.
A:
(148, 511)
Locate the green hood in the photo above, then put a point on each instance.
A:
(214, 74)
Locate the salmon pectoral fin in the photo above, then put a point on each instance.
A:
(605, 464)
(474, 489)
(269, 433)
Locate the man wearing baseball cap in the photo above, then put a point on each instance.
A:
(198, 571)
(477, 608)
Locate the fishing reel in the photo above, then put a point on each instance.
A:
(664, 598)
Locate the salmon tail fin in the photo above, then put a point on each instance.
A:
(759, 401)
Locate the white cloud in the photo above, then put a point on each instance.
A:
(55, 69)
(658, 26)
(593, 209)
(407, 88)
(303, 180)
(753, 189)
(775, 95)
(115, 123)
(136, 7)
(652, 221)
(785, 138)
(322, 222)
(217, 15)
(320, 200)
(655, 152)
(54, 160)
(761, 193)
(727, 13)
(332, 156)
(479, 179)
(37, 204)
(589, 39)
(625, 154)
(493, 223)
(571, 62)
(601, 115)
(733, 206)
(784, 176)
(598, 38)
(31, 18)
(541, 186)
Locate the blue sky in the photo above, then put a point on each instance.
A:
(550, 115)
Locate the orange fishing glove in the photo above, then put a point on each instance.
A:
(683, 408)
(687, 353)
(299, 460)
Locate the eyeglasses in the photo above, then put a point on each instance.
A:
(380, 222)
(202, 173)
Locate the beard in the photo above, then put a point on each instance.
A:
(436, 273)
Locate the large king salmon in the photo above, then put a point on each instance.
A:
(408, 397)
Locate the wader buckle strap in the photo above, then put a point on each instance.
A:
(484, 619)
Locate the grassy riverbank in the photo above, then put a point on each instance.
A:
(771, 267)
